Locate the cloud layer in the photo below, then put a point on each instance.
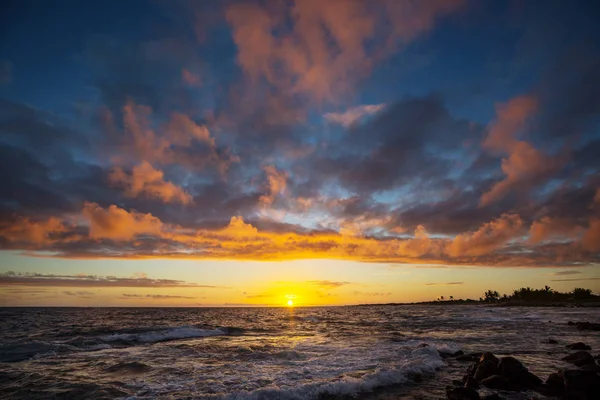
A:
(308, 129)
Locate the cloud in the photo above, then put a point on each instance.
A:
(553, 228)
(259, 296)
(132, 296)
(568, 272)
(147, 181)
(328, 284)
(315, 52)
(118, 224)
(37, 279)
(591, 237)
(24, 230)
(575, 280)
(371, 294)
(444, 284)
(354, 114)
(190, 78)
(525, 166)
(81, 293)
(488, 238)
(276, 184)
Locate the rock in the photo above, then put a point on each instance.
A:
(486, 368)
(420, 346)
(488, 356)
(578, 346)
(551, 341)
(493, 396)
(579, 358)
(513, 370)
(555, 384)
(461, 393)
(582, 384)
(471, 382)
(497, 382)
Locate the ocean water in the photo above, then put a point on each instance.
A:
(365, 352)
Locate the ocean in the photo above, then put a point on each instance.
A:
(365, 352)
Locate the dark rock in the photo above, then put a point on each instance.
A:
(555, 384)
(420, 346)
(513, 370)
(579, 358)
(457, 382)
(578, 346)
(461, 393)
(471, 383)
(582, 384)
(570, 323)
(551, 341)
(486, 368)
(497, 382)
(493, 396)
(510, 367)
(487, 356)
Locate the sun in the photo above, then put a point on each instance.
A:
(290, 303)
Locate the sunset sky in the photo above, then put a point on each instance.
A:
(220, 153)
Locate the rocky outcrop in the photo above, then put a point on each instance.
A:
(578, 346)
(509, 374)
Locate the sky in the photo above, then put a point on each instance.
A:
(327, 152)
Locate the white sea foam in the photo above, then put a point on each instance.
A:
(183, 332)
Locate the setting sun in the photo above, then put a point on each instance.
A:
(290, 303)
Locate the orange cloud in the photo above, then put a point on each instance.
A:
(591, 237)
(350, 116)
(524, 164)
(143, 140)
(322, 48)
(35, 232)
(511, 119)
(488, 238)
(118, 224)
(552, 228)
(147, 181)
(276, 184)
(190, 78)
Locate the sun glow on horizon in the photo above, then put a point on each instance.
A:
(290, 303)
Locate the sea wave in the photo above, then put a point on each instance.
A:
(420, 361)
(182, 332)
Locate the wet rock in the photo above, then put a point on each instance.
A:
(420, 346)
(487, 356)
(461, 393)
(513, 370)
(551, 341)
(579, 358)
(578, 346)
(493, 396)
(554, 386)
(471, 382)
(486, 368)
(497, 382)
(581, 384)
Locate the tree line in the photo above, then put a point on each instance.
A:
(529, 295)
